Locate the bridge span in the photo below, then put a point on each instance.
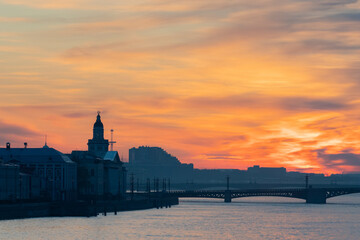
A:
(311, 195)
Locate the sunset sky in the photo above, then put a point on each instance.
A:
(220, 83)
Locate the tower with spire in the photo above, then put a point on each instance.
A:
(98, 145)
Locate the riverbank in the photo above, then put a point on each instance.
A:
(80, 208)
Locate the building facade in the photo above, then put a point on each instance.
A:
(101, 174)
(9, 182)
(56, 173)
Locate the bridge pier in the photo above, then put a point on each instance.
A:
(227, 196)
(317, 196)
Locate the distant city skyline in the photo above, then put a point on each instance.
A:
(221, 84)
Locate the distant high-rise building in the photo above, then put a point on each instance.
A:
(98, 145)
(152, 156)
(154, 162)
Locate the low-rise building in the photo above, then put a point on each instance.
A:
(101, 174)
(90, 174)
(100, 178)
(9, 182)
(269, 173)
(56, 172)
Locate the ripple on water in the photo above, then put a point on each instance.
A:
(247, 218)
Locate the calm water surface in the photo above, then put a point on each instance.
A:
(248, 218)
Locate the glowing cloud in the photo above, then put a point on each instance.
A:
(223, 84)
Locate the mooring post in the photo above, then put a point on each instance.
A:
(164, 184)
(148, 185)
(169, 184)
(154, 184)
(228, 183)
(132, 186)
(157, 184)
(137, 185)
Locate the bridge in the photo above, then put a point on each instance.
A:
(308, 193)
(311, 195)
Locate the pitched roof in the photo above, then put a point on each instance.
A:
(38, 155)
(112, 156)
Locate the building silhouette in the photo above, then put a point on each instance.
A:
(266, 173)
(53, 175)
(9, 182)
(98, 145)
(154, 162)
(101, 174)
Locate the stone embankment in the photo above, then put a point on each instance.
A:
(81, 208)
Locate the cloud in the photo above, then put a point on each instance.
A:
(267, 81)
(347, 16)
(345, 157)
(14, 19)
(16, 134)
(308, 104)
(320, 46)
(64, 4)
(252, 100)
(78, 114)
(336, 2)
(11, 129)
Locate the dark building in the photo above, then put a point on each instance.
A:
(101, 174)
(9, 182)
(256, 173)
(90, 172)
(56, 173)
(216, 176)
(100, 178)
(151, 156)
(154, 162)
(98, 145)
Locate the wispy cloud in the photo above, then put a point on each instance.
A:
(220, 83)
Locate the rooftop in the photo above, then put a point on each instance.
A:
(33, 155)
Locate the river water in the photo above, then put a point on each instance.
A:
(247, 218)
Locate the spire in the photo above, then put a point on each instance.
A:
(98, 144)
(98, 123)
(45, 146)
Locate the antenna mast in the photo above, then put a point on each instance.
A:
(112, 141)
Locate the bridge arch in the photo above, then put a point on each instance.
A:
(339, 192)
(311, 195)
(284, 195)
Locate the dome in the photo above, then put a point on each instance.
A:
(98, 123)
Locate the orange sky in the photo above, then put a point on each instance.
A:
(221, 84)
